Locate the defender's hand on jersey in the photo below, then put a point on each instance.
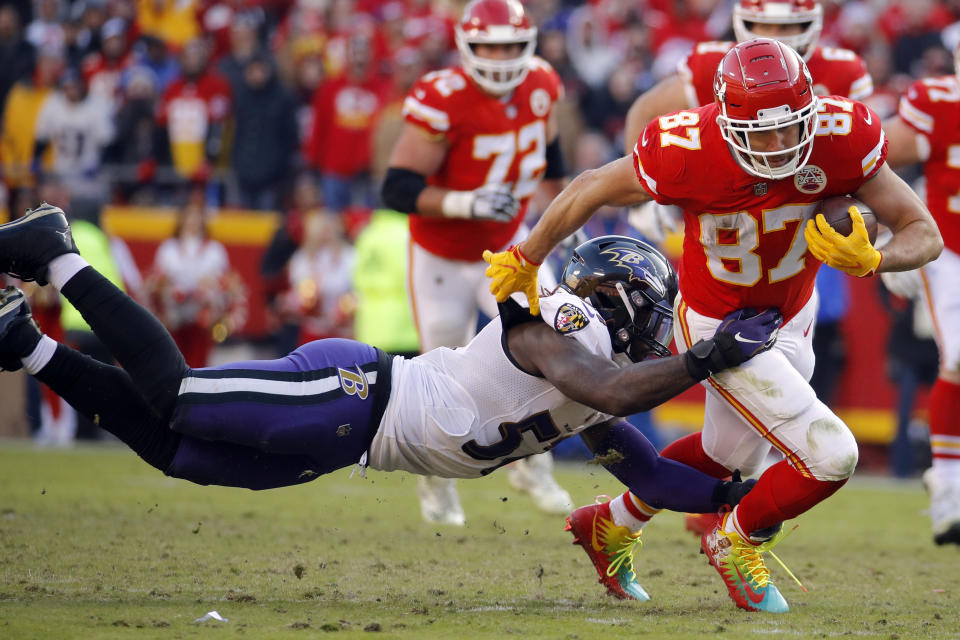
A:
(742, 335)
(489, 202)
(851, 254)
(512, 271)
(745, 333)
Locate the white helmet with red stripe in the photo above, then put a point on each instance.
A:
(807, 13)
(495, 22)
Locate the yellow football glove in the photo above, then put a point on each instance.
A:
(851, 254)
(512, 271)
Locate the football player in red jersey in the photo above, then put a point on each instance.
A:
(927, 130)
(478, 141)
(748, 171)
(796, 23)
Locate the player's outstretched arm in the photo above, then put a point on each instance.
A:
(515, 269)
(666, 96)
(614, 184)
(661, 483)
(916, 238)
(621, 391)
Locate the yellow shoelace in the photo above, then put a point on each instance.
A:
(753, 560)
(624, 555)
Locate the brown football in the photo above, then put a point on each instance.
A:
(835, 211)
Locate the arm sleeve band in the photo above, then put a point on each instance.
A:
(556, 167)
(401, 188)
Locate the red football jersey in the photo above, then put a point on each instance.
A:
(835, 72)
(932, 107)
(490, 141)
(743, 244)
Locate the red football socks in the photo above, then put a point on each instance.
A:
(780, 494)
(945, 422)
(689, 451)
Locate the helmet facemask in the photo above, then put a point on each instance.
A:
(642, 328)
(736, 133)
(632, 287)
(763, 85)
(497, 77)
(780, 13)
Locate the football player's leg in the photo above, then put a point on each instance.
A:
(943, 478)
(39, 246)
(728, 438)
(107, 394)
(820, 451)
(443, 303)
(323, 400)
(445, 313)
(138, 341)
(231, 465)
(102, 393)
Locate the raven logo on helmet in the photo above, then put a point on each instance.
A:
(635, 262)
(631, 286)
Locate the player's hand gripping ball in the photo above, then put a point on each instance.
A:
(512, 271)
(842, 234)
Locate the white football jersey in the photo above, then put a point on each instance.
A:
(461, 413)
(78, 132)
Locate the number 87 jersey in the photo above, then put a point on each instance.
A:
(744, 244)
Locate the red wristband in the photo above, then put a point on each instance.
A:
(522, 259)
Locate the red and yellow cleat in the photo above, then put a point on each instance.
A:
(610, 547)
(700, 523)
(740, 564)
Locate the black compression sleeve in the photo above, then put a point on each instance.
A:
(401, 188)
(107, 395)
(138, 341)
(556, 166)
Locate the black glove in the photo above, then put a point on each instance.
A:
(730, 492)
(742, 335)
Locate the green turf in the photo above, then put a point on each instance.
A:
(96, 544)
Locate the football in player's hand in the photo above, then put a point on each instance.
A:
(835, 211)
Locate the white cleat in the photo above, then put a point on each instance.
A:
(944, 490)
(534, 476)
(439, 501)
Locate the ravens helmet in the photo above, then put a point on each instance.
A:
(632, 286)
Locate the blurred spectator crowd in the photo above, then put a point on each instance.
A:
(294, 105)
(134, 101)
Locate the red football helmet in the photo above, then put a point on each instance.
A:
(763, 85)
(495, 22)
(807, 13)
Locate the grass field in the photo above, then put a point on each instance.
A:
(96, 544)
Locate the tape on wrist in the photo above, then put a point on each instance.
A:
(457, 204)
